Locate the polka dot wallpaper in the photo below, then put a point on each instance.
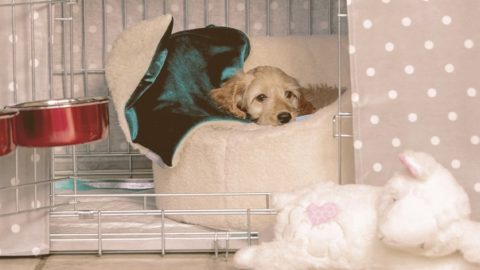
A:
(414, 86)
(24, 234)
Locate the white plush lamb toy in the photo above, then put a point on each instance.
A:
(422, 212)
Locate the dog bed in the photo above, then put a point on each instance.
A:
(231, 156)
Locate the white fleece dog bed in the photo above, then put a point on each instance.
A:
(229, 156)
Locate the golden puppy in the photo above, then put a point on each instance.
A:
(265, 95)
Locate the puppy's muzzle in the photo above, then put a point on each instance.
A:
(284, 117)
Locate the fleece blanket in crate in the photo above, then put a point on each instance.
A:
(173, 95)
(231, 156)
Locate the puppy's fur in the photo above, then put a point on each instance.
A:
(268, 96)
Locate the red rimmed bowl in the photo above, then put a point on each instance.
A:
(7, 131)
(59, 122)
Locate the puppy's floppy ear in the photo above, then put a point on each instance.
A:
(305, 106)
(229, 96)
(318, 95)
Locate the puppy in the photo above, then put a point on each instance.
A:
(266, 95)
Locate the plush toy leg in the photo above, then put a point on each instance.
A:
(470, 242)
(281, 255)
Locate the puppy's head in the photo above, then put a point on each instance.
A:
(266, 95)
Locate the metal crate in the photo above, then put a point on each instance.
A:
(68, 47)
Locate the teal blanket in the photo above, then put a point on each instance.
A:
(173, 95)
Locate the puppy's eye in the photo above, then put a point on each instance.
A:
(261, 98)
(289, 94)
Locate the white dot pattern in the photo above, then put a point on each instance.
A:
(446, 20)
(432, 92)
(14, 181)
(417, 76)
(392, 94)
(36, 251)
(456, 164)
(174, 8)
(472, 92)
(355, 97)
(257, 26)
(406, 21)
(412, 117)
(377, 167)
(452, 116)
(374, 119)
(357, 144)
(449, 68)
(370, 72)
(35, 157)
(367, 24)
(240, 7)
(468, 43)
(428, 44)
(39, 204)
(396, 142)
(10, 38)
(108, 8)
(435, 140)
(409, 69)
(15, 228)
(389, 46)
(36, 61)
(11, 87)
(351, 49)
(476, 187)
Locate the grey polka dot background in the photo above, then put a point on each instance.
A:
(415, 85)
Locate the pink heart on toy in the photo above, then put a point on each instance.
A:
(321, 214)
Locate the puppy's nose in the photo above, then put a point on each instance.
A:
(284, 117)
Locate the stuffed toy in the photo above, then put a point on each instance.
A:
(420, 212)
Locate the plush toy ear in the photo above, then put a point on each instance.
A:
(230, 95)
(411, 164)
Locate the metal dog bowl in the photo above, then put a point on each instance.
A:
(60, 122)
(7, 131)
